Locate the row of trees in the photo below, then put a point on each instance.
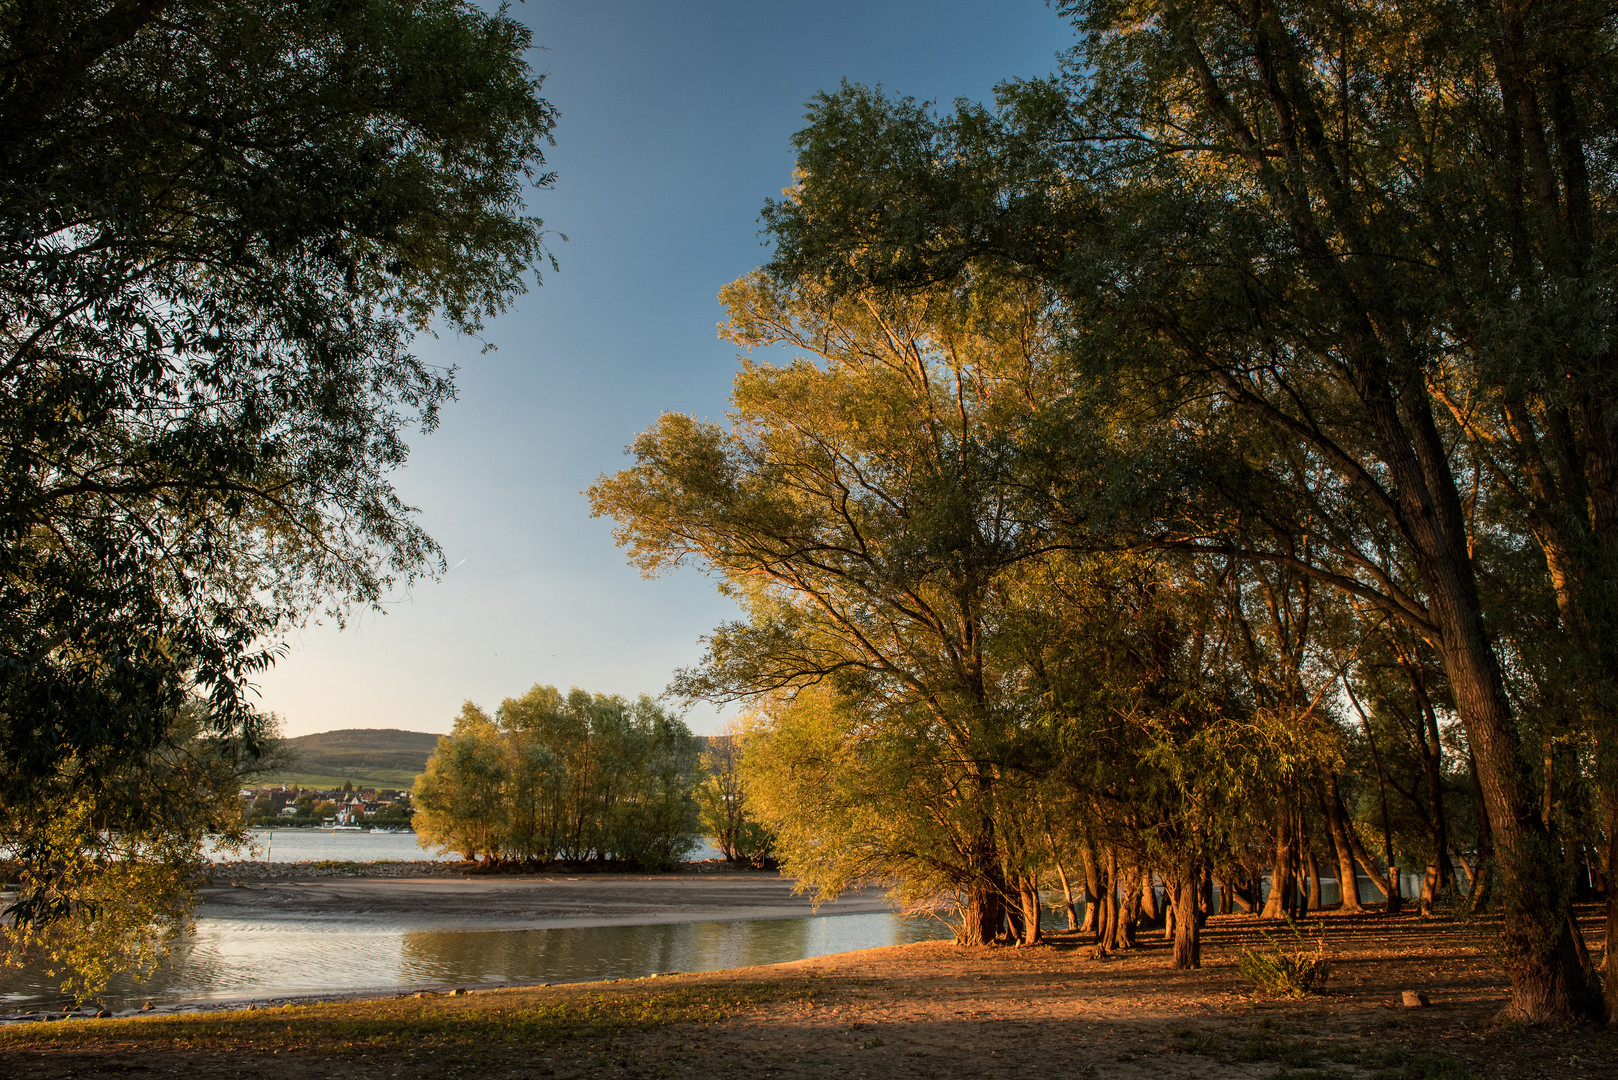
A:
(581, 778)
(1247, 385)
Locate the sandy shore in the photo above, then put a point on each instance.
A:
(539, 901)
(916, 1012)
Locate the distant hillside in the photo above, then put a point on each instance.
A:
(375, 756)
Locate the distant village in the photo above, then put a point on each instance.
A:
(347, 807)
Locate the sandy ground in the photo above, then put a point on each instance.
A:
(540, 901)
(938, 1010)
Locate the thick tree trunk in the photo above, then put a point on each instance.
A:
(1148, 899)
(984, 912)
(1092, 890)
(1128, 914)
(1187, 883)
(1110, 905)
(1245, 893)
(1282, 868)
(1548, 983)
(1347, 880)
(1028, 894)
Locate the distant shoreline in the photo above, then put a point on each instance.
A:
(230, 870)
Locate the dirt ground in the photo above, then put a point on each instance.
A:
(923, 1011)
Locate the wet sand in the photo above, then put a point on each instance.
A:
(539, 901)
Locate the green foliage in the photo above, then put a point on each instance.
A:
(1296, 971)
(577, 778)
(105, 866)
(222, 223)
(723, 805)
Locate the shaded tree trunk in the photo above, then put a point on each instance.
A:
(1313, 903)
(1067, 898)
(1282, 868)
(1184, 887)
(1148, 899)
(1092, 890)
(1347, 881)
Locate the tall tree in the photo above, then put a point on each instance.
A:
(865, 507)
(222, 222)
(1356, 230)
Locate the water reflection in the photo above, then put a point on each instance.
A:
(228, 959)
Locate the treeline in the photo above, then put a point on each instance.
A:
(579, 778)
(1203, 465)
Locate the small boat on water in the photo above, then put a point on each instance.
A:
(346, 828)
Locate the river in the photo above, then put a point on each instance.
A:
(230, 959)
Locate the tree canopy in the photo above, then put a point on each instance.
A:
(1327, 299)
(222, 224)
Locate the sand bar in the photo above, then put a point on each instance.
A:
(538, 901)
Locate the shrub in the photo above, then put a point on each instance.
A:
(1286, 973)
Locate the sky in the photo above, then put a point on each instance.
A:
(676, 118)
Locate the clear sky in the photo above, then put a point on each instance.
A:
(676, 119)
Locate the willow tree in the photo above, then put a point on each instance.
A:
(864, 506)
(1376, 234)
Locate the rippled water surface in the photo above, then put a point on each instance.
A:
(232, 959)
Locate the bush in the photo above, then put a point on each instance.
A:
(1286, 973)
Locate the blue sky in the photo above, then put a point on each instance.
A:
(676, 120)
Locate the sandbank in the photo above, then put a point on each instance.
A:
(537, 901)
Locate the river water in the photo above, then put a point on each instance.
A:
(231, 959)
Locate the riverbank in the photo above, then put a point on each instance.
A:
(245, 870)
(921, 1011)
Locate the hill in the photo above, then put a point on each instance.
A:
(370, 757)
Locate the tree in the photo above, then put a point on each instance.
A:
(586, 777)
(735, 832)
(1372, 240)
(222, 222)
(866, 509)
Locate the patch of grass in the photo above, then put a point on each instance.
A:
(1282, 972)
(494, 1018)
(1311, 1074)
(1428, 1065)
(1257, 1050)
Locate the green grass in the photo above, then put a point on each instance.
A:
(398, 779)
(488, 1020)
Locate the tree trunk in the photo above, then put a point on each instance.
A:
(1432, 759)
(1610, 963)
(1347, 880)
(1483, 880)
(1128, 914)
(1282, 881)
(1314, 879)
(984, 912)
(1148, 899)
(1067, 898)
(1092, 889)
(1109, 928)
(1028, 898)
(1186, 885)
